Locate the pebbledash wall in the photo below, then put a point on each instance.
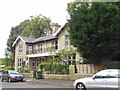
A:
(75, 72)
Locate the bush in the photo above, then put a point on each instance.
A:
(112, 64)
(8, 68)
(54, 68)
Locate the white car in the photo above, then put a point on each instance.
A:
(109, 78)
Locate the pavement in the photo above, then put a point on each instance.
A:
(66, 83)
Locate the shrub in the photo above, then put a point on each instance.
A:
(8, 68)
(54, 68)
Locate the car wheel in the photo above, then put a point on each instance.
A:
(80, 86)
(1, 79)
(9, 79)
(21, 80)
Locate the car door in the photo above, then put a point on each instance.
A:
(5, 75)
(114, 79)
(99, 80)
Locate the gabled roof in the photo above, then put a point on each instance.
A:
(28, 39)
(35, 40)
(24, 39)
(60, 29)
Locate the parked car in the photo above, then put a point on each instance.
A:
(11, 75)
(0, 73)
(108, 78)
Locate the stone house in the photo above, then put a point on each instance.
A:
(33, 51)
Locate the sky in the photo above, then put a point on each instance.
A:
(12, 12)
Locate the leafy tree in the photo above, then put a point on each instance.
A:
(63, 55)
(15, 31)
(35, 27)
(7, 61)
(38, 26)
(94, 29)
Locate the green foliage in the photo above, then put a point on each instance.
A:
(94, 29)
(7, 61)
(42, 65)
(37, 27)
(8, 68)
(15, 31)
(63, 55)
(111, 64)
(54, 68)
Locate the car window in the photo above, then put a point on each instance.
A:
(102, 75)
(5, 72)
(13, 72)
(114, 75)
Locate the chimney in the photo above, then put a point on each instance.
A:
(55, 27)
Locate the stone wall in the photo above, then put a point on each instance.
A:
(54, 76)
(87, 70)
(28, 75)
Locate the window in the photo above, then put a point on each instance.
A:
(20, 48)
(33, 64)
(74, 56)
(102, 75)
(20, 60)
(37, 62)
(72, 59)
(114, 75)
(30, 48)
(66, 40)
(40, 47)
(55, 44)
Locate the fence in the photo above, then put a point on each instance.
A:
(88, 68)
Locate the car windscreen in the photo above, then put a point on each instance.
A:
(13, 72)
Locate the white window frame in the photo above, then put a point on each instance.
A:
(66, 41)
(20, 60)
(30, 48)
(20, 48)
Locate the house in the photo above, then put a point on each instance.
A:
(33, 51)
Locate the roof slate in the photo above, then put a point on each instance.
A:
(45, 38)
(28, 39)
(34, 40)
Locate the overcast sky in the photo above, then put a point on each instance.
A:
(12, 12)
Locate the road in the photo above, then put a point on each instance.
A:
(30, 86)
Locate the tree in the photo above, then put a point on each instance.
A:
(38, 26)
(64, 55)
(94, 29)
(7, 61)
(35, 27)
(15, 31)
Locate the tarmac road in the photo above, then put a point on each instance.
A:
(31, 86)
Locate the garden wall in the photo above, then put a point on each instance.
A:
(89, 68)
(75, 72)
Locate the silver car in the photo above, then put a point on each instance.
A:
(108, 78)
(11, 75)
